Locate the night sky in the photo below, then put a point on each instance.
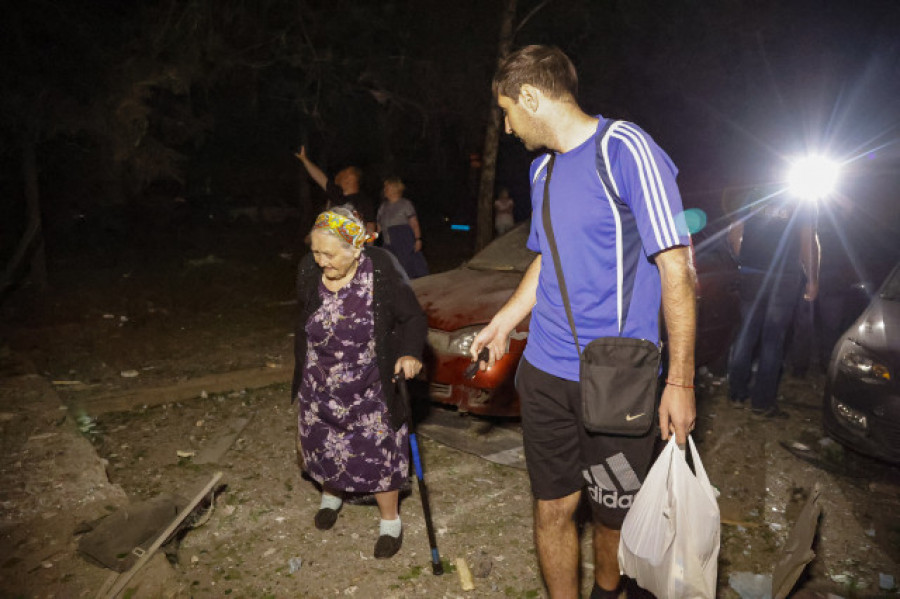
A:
(127, 105)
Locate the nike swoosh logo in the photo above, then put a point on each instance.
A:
(629, 417)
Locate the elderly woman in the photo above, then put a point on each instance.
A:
(360, 325)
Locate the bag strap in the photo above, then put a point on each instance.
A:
(551, 240)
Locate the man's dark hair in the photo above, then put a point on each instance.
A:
(544, 67)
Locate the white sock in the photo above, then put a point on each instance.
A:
(331, 502)
(390, 527)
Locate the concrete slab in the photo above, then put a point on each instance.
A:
(498, 443)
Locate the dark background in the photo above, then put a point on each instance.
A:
(156, 123)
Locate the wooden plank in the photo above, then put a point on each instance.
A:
(216, 448)
(253, 378)
(123, 578)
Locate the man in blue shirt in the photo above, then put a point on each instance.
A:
(616, 278)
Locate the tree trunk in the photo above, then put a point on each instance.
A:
(484, 224)
(33, 204)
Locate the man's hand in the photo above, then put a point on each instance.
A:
(677, 413)
(494, 339)
(314, 171)
(495, 335)
(408, 365)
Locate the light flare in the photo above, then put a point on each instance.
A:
(813, 177)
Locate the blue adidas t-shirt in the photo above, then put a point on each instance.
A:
(605, 248)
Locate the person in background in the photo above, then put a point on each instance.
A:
(612, 271)
(398, 226)
(359, 326)
(778, 254)
(345, 189)
(503, 212)
(843, 276)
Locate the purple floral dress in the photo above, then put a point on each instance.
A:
(345, 432)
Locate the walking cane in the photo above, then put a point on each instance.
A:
(436, 566)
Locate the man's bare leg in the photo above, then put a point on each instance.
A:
(556, 538)
(606, 557)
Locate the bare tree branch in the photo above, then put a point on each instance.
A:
(527, 17)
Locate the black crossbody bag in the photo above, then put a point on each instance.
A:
(619, 375)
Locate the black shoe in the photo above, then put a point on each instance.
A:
(633, 591)
(387, 546)
(769, 414)
(325, 518)
(599, 592)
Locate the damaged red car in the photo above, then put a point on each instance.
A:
(461, 301)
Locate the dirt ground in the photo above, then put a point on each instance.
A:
(115, 386)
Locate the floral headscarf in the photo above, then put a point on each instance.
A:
(348, 229)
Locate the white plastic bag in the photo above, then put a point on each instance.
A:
(670, 537)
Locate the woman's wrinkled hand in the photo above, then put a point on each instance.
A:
(408, 365)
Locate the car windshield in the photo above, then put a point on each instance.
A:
(506, 253)
(891, 289)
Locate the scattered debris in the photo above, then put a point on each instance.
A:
(86, 424)
(181, 453)
(129, 374)
(117, 541)
(465, 575)
(482, 564)
(797, 552)
(885, 582)
(119, 582)
(294, 564)
(751, 586)
(208, 261)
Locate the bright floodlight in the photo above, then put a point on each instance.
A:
(813, 177)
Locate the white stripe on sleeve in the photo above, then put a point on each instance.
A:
(667, 208)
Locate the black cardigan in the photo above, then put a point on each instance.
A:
(400, 323)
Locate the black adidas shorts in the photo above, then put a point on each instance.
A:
(563, 457)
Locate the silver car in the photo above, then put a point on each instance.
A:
(862, 391)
